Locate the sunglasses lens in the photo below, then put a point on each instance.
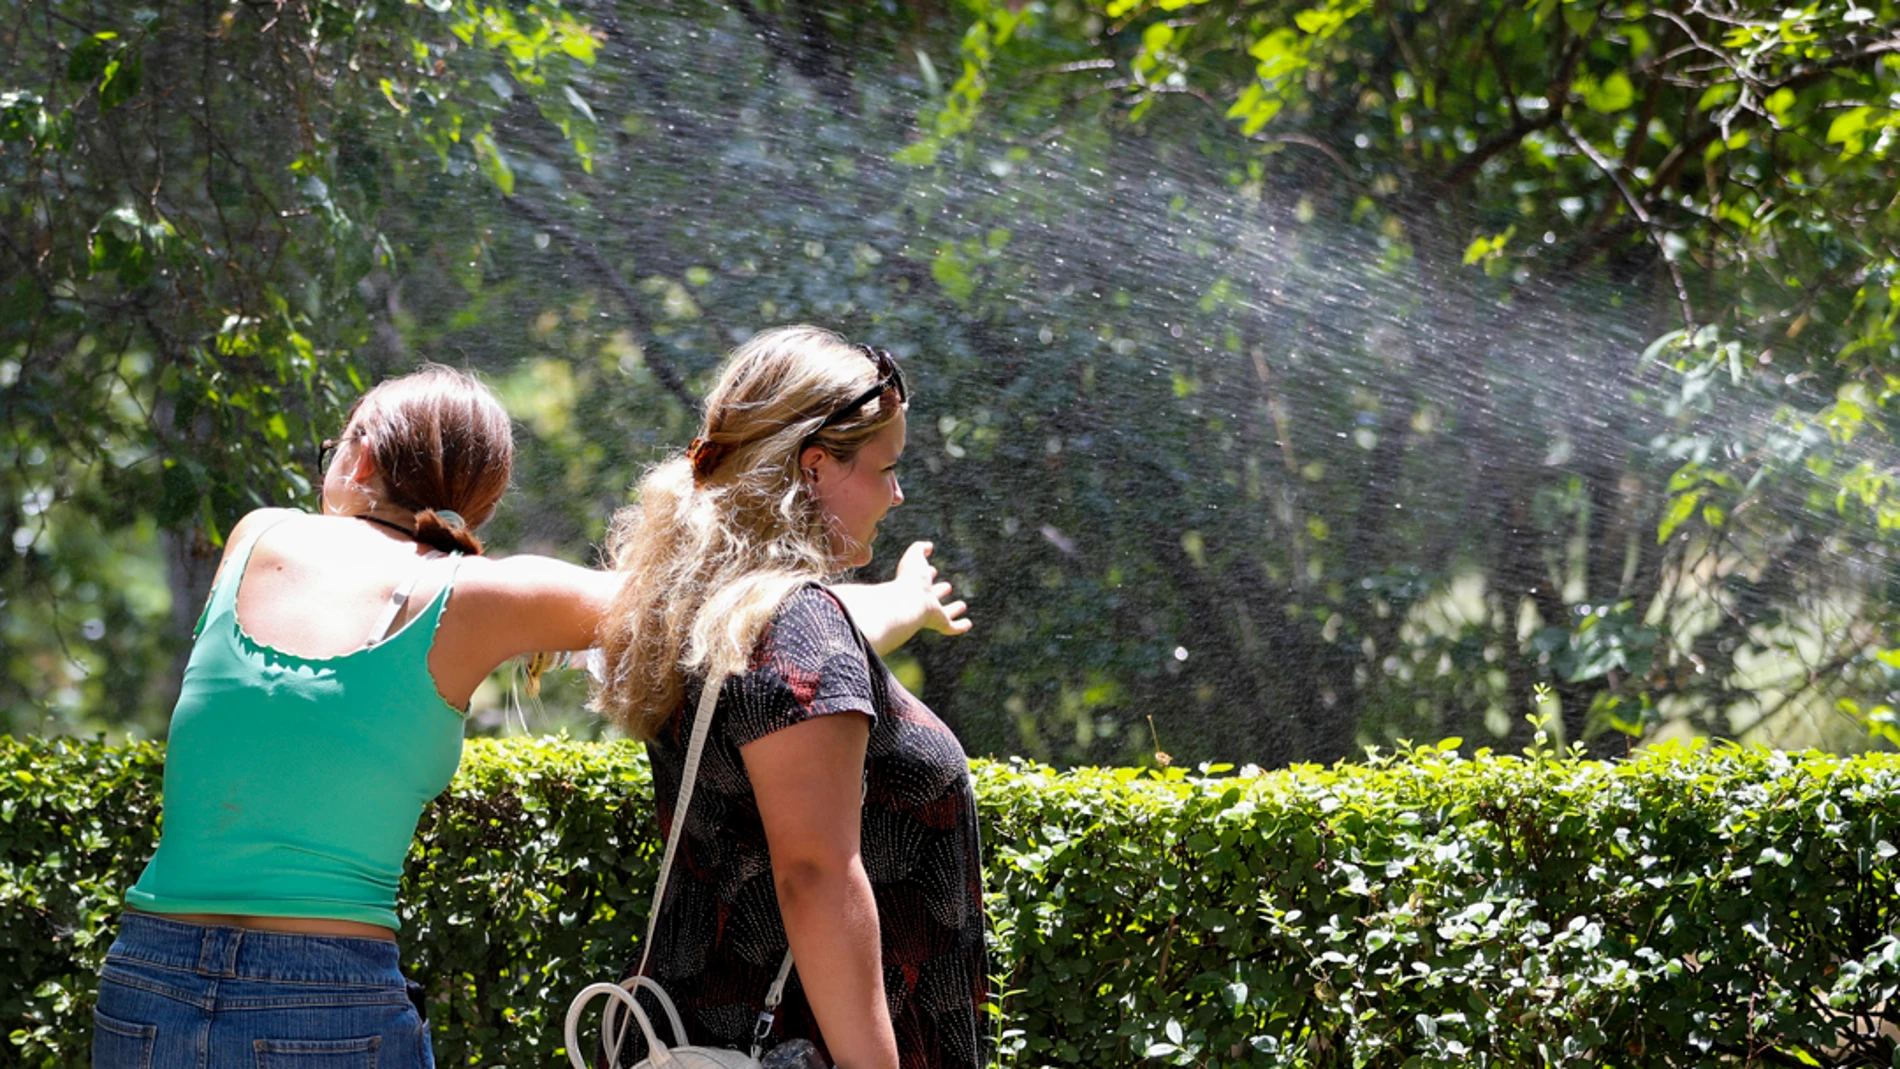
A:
(887, 370)
(897, 378)
(889, 377)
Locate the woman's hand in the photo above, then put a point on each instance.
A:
(890, 613)
(916, 574)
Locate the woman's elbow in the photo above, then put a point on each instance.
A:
(810, 879)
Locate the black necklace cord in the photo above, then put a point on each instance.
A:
(440, 529)
(391, 524)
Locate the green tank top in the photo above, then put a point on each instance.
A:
(293, 784)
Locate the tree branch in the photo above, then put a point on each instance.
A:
(1610, 171)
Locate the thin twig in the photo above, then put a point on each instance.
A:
(1643, 217)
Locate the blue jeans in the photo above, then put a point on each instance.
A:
(174, 995)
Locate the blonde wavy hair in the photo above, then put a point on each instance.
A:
(708, 558)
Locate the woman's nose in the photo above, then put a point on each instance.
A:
(897, 492)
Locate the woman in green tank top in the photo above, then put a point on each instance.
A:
(321, 709)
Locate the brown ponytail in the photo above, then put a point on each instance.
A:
(444, 448)
(449, 536)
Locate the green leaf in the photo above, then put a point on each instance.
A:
(494, 163)
(1680, 509)
(121, 82)
(389, 93)
(1716, 95)
(1485, 248)
(89, 58)
(1849, 129)
(952, 273)
(21, 116)
(1612, 94)
(1249, 98)
(1262, 114)
(1314, 21)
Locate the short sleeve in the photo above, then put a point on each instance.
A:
(809, 662)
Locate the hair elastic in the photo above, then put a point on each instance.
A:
(705, 455)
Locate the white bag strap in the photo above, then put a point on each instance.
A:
(613, 1032)
(619, 995)
(398, 598)
(689, 775)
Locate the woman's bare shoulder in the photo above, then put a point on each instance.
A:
(257, 520)
(250, 524)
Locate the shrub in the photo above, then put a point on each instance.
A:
(1689, 907)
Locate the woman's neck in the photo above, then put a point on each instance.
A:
(407, 530)
(396, 521)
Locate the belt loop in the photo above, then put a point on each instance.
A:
(208, 951)
(231, 952)
(218, 950)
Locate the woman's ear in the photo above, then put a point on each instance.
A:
(812, 461)
(363, 472)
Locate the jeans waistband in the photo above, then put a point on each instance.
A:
(242, 953)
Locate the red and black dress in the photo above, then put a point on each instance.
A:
(720, 937)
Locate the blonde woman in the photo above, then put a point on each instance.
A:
(833, 810)
(321, 709)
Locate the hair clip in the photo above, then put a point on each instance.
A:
(451, 518)
(705, 455)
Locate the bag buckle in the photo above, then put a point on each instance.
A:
(764, 1026)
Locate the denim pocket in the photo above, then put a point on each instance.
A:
(120, 1044)
(317, 1053)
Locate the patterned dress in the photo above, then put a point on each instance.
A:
(720, 937)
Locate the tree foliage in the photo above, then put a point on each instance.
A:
(1297, 375)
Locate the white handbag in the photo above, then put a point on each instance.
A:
(614, 1028)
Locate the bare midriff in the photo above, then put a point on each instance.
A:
(287, 925)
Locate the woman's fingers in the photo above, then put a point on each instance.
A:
(949, 618)
(915, 554)
(944, 618)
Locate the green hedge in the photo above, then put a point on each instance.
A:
(1690, 907)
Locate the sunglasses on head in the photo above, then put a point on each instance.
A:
(889, 377)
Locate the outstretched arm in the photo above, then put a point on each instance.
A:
(505, 607)
(807, 779)
(890, 613)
